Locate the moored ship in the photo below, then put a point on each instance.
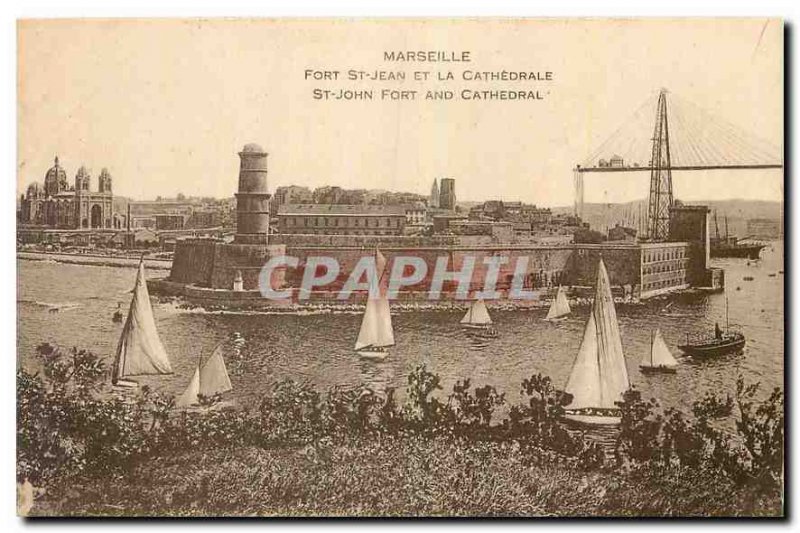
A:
(729, 246)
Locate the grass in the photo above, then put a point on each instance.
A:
(395, 476)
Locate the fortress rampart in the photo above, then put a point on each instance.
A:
(231, 271)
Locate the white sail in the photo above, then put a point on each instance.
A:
(139, 351)
(584, 381)
(209, 379)
(599, 376)
(214, 376)
(189, 396)
(477, 314)
(376, 326)
(659, 355)
(559, 307)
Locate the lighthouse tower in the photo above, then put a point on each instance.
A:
(234, 267)
(252, 198)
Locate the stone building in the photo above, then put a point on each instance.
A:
(216, 264)
(416, 213)
(664, 267)
(621, 233)
(327, 219)
(290, 194)
(689, 223)
(447, 194)
(61, 206)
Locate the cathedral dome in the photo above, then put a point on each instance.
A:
(55, 180)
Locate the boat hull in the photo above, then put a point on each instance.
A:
(712, 350)
(125, 384)
(373, 355)
(483, 334)
(657, 369)
(587, 420)
(739, 251)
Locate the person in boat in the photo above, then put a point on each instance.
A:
(117, 314)
(717, 331)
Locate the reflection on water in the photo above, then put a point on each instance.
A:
(319, 348)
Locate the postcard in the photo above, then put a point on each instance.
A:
(411, 267)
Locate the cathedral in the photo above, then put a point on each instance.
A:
(59, 205)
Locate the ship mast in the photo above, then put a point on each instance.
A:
(727, 324)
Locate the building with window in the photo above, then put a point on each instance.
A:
(416, 213)
(664, 267)
(170, 222)
(621, 233)
(333, 219)
(60, 205)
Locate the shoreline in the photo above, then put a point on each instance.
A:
(95, 260)
(323, 302)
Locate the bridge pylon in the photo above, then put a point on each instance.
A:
(660, 199)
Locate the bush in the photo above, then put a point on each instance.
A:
(63, 426)
(69, 424)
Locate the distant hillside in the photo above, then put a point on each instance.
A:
(603, 216)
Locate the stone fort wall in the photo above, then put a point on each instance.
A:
(213, 264)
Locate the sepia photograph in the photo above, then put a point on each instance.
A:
(400, 267)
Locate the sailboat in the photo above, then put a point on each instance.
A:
(207, 380)
(660, 358)
(376, 332)
(599, 376)
(559, 308)
(723, 342)
(478, 322)
(139, 351)
(477, 316)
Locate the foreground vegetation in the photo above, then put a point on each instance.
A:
(353, 452)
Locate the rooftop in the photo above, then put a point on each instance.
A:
(342, 209)
(252, 148)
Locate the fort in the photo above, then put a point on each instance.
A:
(218, 271)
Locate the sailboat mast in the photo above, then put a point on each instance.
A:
(726, 227)
(652, 342)
(727, 325)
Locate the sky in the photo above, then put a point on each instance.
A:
(166, 105)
